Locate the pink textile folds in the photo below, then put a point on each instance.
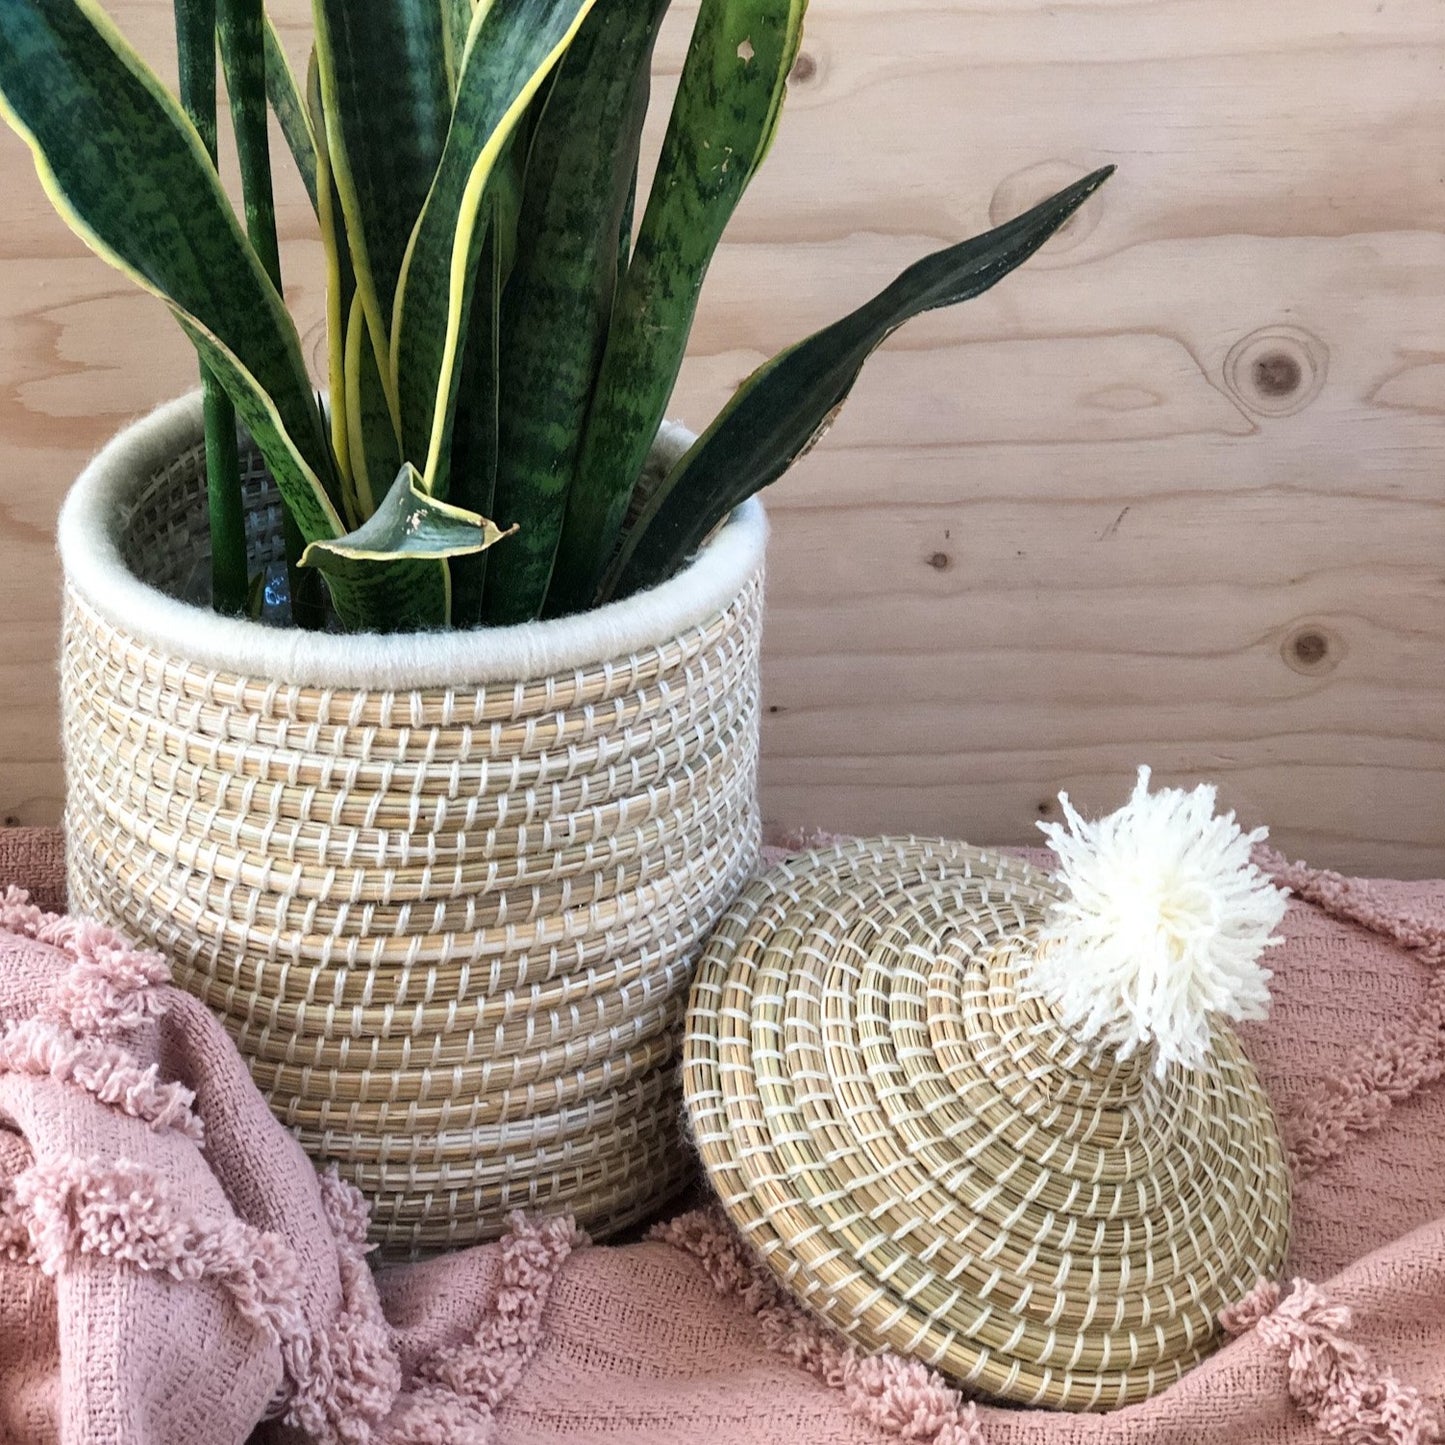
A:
(172, 1268)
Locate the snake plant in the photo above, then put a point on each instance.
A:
(501, 343)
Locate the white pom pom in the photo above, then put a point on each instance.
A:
(1164, 923)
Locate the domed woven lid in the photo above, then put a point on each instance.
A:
(892, 1112)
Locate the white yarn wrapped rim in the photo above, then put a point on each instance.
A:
(96, 571)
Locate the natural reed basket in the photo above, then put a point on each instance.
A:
(445, 890)
(913, 1144)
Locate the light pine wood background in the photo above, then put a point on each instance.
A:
(1171, 494)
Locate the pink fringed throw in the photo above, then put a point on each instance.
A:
(172, 1268)
(162, 1280)
(1333, 1381)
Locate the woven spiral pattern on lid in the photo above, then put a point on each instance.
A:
(450, 928)
(907, 1137)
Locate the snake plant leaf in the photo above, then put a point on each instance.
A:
(340, 288)
(624, 229)
(308, 499)
(474, 433)
(456, 22)
(473, 462)
(409, 522)
(558, 300)
(289, 105)
(130, 175)
(503, 198)
(241, 38)
(786, 405)
(196, 67)
(391, 571)
(723, 122)
(473, 468)
(196, 72)
(387, 104)
(375, 451)
(511, 49)
(401, 595)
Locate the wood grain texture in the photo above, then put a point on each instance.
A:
(1173, 493)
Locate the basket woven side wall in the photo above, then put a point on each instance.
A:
(451, 928)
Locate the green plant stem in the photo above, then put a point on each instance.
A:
(308, 605)
(196, 52)
(241, 28)
(241, 31)
(230, 584)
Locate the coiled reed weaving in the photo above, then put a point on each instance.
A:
(450, 928)
(912, 1145)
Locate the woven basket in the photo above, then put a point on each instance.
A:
(444, 891)
(914, 1147)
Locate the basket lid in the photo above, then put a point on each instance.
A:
(996, 1119)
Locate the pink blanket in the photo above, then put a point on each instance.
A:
(172, 1269)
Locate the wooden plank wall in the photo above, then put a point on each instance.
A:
(1173, 494)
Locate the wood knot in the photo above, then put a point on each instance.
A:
(939, 561)
(804, 69)
(1276, 371)
(1312, 650)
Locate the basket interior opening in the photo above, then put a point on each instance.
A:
(164, 531)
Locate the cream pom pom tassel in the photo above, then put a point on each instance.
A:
(1162, 927)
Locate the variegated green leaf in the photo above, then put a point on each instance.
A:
(473, 462)
(403, 595)
(511, 49)
(289, 105)
(786, 405)
(624, 229)
(558, 300)
(387, 105)
(456, 22)
(722, 124)
(129, 174)
(474, 434)
(307, 500)
(393, 567)
(374, 450)
(503, 199)
(408, 522)
(340, 290)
